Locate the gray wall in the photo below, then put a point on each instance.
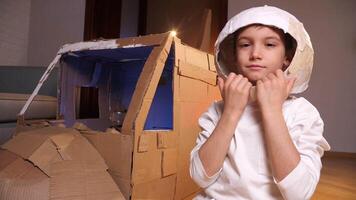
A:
(32, 31)
(52, 24)
(14, 29)
(129, 18)
(332, 28)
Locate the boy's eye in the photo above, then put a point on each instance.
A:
(271, 45)
(243, 45)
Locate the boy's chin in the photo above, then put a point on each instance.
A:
(254, 79)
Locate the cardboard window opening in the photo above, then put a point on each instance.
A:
(114, 72)
(160, 115)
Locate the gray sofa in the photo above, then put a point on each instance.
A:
(16, 84)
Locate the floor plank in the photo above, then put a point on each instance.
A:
(338, 179)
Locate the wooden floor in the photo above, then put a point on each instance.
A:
(338, 178)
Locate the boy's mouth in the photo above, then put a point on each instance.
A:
(255, 67)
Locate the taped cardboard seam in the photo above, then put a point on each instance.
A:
(142, 115)
(167, 140)
(211, 61)
(146, 40)
(178, 51)
(176, 95)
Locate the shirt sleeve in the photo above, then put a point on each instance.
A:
(207, 122)
(307, 135)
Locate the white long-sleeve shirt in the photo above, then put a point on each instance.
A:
(246, 173)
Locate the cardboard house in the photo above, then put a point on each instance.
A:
(150, 92)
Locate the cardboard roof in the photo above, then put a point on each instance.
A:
(126, 43)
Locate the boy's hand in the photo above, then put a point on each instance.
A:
(273, 90)
(235, 92)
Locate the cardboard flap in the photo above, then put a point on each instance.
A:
(116, 149)
(147, 141)
(46, 146)
(124, 184)
(36, 146)
(62, 141)
(21, 180)
(195, 72)
(6, 158)
(44, 156)
(169, 162)
(81, 150)
(25, 144)
(72, 178)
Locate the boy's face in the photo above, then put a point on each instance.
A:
(260, 50)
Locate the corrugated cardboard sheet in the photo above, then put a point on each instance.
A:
(54, 163)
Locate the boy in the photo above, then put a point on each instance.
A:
(259, 142)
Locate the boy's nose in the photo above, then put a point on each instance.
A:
(255, 53)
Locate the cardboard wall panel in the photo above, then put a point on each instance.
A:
(147, 167)
(191, 90)
(196, 57)
(213, 94)
(160, 189)
(188, 132)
